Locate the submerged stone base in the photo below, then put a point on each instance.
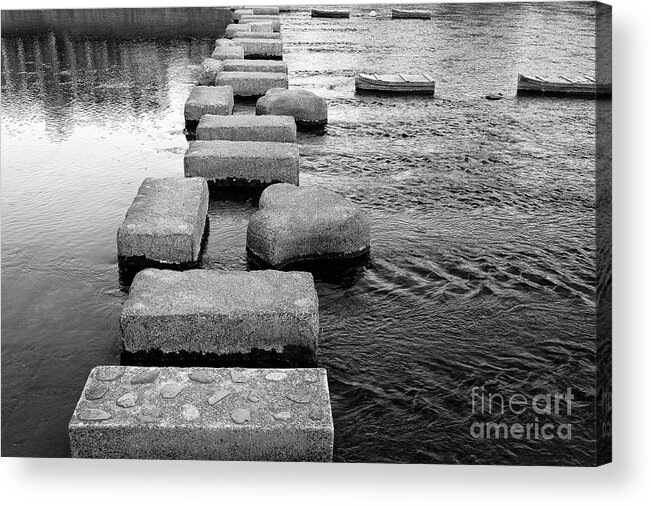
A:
(221, 313)
(252, 163)
(165, 222)
(247, 128)
(203, 414)
(251, 84)
(301, 224)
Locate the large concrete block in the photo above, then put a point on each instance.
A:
(265, 11)
(261, 27)
(297, 224)
(209, 70)
(203, 414)
(207, 100)
(229, 163)
(251, 84)
(248, 18)
(241, 318)
(165, 223)
(228, 52)
(247, 128)
(233, 28)
(261, 48)
(308, 109)
(256, 35)
(238, 13)
(254, 66)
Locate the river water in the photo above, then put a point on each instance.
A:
(481, 273)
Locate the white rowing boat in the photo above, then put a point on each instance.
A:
(395, 83)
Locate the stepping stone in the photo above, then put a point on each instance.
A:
(255, 420)
(248, 18)
(233, 28)
(265, 11)
(256, 35)
(261, 26)
(238, 13)
(251, 84)
(260, 48)
(309, 110)
(254, 66)
(165, 223)
(228, 52)
(207, 100)
(247, 128)
(297, 224)
(225, 317)
(209, 70)
(229, 163)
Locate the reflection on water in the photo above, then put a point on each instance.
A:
(482, 265)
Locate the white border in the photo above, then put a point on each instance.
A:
(59, 481)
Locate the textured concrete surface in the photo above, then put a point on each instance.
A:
(256, 35)
(222, 313)
(166, 221)
(251, 84)
(307, 108)
(261, 26)
(228, 52)
(232, 28)
(203, 414)
(208, 100)
(248, 18)
(295, 224)
(238, 13)
(243, 163)
(260, 48)
(255, 66)
(265, 11)
(209, 70)
(247, 128)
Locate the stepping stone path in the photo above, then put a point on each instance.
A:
(165, 224)
(175, 417)
(308, 109)
(207, 100)
(296, 224)
(251, 84)
(231, 317)
(247, 128)
(228, 163)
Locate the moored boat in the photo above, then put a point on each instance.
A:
(330, 13)
(404, 14)
(421, 84)
(563, 86)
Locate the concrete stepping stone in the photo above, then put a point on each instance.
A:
(297, 224)
(209, 70)
(236, 27)
(256, 48)
(207, 100)
(228, 52)
(165, 223)
(249, 18)
(252, 84)
(267, 415)
(254, 66)
(247, 128)
(261, 26)
(256, 35)
(229, 163)
(308, 109)
(238, 13)
(265, 11)
(241, 318)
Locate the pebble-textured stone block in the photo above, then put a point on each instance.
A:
(228, 52)
(256, 35)
(265, 11)
(261, 26)
(247, 128)
(307, 108)
(209, 70)
(251, 84)
(223, 314)
(208, 100)
(254, 66)
(261, 48)
(229, 163)
(297, 224)
(274, 20)
(203, 414)
(238, 13)
(233, 28)
(165, 222)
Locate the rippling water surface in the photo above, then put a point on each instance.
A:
(482, 267)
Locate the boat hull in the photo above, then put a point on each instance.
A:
(529, 86)
(400, 14)
(316, 13)
(365, 86)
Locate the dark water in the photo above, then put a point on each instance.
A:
(482, 270)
